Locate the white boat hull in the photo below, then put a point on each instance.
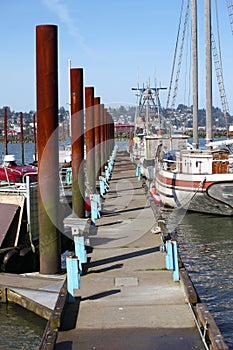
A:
(211, 193)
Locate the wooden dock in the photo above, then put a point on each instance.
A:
(127, 297)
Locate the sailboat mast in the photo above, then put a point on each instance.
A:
(208, 71)
(195, 74)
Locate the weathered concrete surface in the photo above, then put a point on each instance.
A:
(42, 289)
(128, 300)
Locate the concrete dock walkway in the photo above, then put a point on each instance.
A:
(127, 299)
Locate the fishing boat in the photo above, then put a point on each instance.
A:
(11, 172)
(151, 130)
(230, 132)
(197, 179)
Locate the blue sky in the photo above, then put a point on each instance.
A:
(115, 42)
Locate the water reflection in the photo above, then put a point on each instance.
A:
(206, 248)
(20, 329)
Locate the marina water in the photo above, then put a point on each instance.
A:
(20, 329)
(206, 247)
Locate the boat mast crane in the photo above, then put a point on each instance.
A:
(148, 101)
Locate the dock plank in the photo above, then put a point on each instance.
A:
(212, 330)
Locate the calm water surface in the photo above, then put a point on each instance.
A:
(20, 329)
(15, 148)
(206, 248)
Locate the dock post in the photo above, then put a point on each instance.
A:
(138, 172)
(21, 137)
(102, 186)
(175, 258)
(5, 132)
(97, 137)
(35, 137)
(73, 276)
(105, 138)
(80, 250)
(90, 152)
(102, 139)
(169, 256)
(77, 137)
(172, 258)
(48, 159)
(95, 207)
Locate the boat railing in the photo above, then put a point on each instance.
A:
(30, 174)
(65, 177)
(219, 166)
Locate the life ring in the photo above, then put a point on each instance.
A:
(141, 143)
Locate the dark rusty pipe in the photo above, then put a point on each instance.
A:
(90, 151)
(112, 136)
(5, 132)
(102, 140)
(97, 136)
(77, 138)
(48, 160)
(105, 137)
(35, 138)
(21, 137)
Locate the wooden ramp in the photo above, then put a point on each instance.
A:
(11, 213)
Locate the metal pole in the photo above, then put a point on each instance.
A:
(5, 132)
(77, 137)
(48, 160)
(208, 71)
(195, 74)
(90, 152)
(97, 136)
(35, 138)
(21, 136)
(105, 136)
(102, 140)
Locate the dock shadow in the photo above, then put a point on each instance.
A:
(70, 315)
(98, 241)
(132, 209)
(124, 256)
(116, 212)
(120, 178)
(67, 345)
(111, 223)
(101, 295)
(105, 269)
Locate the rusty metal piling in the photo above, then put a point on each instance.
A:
(90, 151)
(102, 138)
(105, 137)
(35, 137)
(77, 137)
(21, 137)
(5, 132)
(97, 136)
(48, 160)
